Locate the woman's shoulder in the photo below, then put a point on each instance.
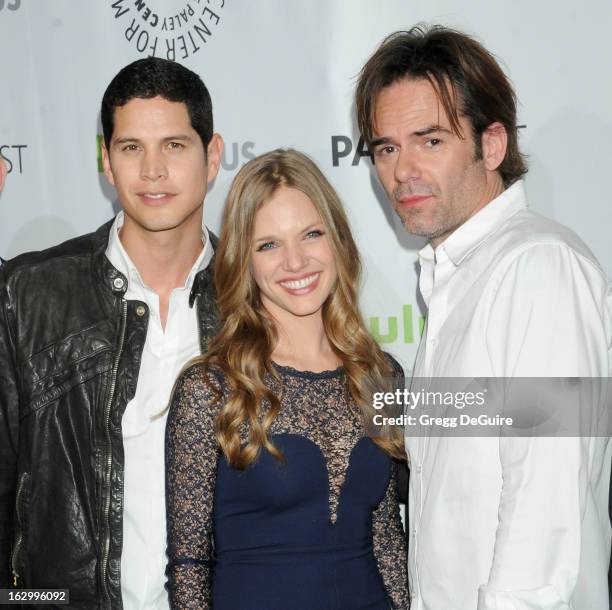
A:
(201, 382)
(396, 368)
(199, 371)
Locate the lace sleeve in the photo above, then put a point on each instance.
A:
(192, 453)
(397, 370)
(390, 546)
(403, 474)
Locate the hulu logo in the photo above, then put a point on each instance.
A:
(392, 327)
(99, 140)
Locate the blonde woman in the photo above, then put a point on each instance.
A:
(276, 498)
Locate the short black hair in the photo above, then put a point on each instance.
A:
(153, 77)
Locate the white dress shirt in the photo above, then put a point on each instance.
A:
(511, 524)
(143, 558)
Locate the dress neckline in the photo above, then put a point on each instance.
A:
(289, 370)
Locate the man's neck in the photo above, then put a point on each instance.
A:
(163, 258)
(492, 189)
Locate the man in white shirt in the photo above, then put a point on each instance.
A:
(495, 523)
(93, 334)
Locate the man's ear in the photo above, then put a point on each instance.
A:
(108, 172)
(213, 156)
(494, 144)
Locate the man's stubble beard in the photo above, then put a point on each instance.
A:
(437, 226)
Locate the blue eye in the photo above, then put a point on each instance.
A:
(269, 245)
(314, 233)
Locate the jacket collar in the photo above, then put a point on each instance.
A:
(116, 281)
(110, 277)
(205, 277)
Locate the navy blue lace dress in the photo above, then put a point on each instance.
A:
(321, 532)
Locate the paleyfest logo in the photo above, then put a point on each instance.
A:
(345, 150)
(235, 154)
(13, 155)
(175, 36)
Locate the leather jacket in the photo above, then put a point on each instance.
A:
(70, 350)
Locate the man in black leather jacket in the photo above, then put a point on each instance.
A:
(72, 344)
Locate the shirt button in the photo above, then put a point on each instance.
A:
(118, 283)
(414, 533)
(419, 469)
(141, 310)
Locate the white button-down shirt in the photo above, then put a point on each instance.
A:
(143, 558)
(511, 524)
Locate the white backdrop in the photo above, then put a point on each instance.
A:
(282, 73)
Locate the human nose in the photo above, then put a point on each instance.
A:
(153, 166)
(407, 167)
(295, 258)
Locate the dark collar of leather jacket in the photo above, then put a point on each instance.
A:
(203, 284)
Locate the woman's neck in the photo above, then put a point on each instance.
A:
(303, 344)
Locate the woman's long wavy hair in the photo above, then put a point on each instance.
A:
(242, 349)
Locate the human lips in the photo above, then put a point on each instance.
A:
(301, 285)
(155, 197)
(409, 201)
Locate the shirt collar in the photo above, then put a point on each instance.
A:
(470, 235)
(476, 229)
(120, 259)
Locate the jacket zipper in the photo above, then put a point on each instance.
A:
(109, 459)
(20, 534)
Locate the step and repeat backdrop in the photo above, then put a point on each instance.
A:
(282, 73)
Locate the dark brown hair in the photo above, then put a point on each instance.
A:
(467, 79)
